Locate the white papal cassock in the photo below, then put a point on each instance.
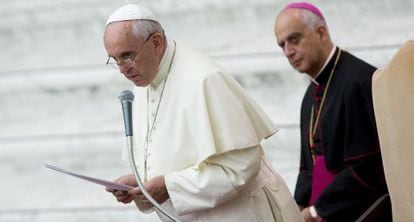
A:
(204, 135)
(393, 92)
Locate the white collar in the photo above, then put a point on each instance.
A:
(324, 65)
(165, 64)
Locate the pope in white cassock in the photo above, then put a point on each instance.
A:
(197, 132)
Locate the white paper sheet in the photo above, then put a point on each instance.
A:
(113, 185)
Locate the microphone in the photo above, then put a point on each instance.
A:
(127, 97)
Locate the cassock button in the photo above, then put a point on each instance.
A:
(148, 154)
(152, 100)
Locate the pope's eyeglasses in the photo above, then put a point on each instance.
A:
(127, 60)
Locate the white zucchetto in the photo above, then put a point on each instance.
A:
(130, 12)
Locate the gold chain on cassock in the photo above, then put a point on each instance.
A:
(313, 125)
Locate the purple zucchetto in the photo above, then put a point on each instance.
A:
(306, 6)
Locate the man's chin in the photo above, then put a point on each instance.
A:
(300, 70)
(141, 83)
(297, 67)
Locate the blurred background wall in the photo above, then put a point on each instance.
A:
(58, 101)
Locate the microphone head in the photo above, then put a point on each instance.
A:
(126, 95)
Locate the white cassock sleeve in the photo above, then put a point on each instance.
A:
(216, 180)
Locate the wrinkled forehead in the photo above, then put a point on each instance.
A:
(119, 32)
(289, 16)
(118, 39)
(288, 22)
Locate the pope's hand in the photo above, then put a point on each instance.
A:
(124, 196)
(155, 187)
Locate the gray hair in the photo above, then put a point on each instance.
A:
(142, 28)
(311, 20)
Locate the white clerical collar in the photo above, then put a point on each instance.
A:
(165, 64)
(331, 54)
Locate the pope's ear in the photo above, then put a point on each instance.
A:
(158, 42)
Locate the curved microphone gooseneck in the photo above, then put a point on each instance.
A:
(127, 97)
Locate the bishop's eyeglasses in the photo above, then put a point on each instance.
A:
(128, 59)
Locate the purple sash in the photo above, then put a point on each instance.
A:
(321, 177)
